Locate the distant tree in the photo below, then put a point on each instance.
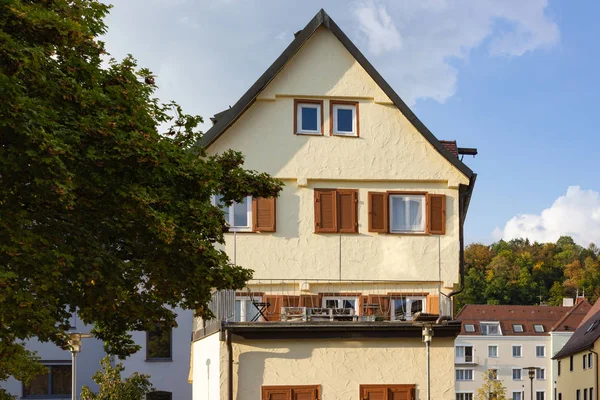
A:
(557, 294)
(491, 389)
(113, 387)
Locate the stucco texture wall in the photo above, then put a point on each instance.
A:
(341, 366)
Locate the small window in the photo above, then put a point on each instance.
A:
(517, 395)
(407, 213)
(540, 374)
(469, 328)
(584, 361)
(344, 118)
(464, 354)
(308, 117)
(238, 216)
(585, 394)
(464, 374)
(493, 351)
(517, 374)
(540, 351)
(589, 360)
(493, 374)
(347, 304)
(571, 364)
(464, 396)
(490, 329)
(516, 351)
(558, 367)
(158, 344)
(54, 383)
(538, 328)
(517, 328)
(404, 309)
(159, 395)
(578, 394)
(540, 395)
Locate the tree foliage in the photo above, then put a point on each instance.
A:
(521, 272)
(112, 387)
(491, 389)
(99, 211)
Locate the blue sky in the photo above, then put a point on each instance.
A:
(518, 80)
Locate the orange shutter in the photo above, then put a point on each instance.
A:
(309, 300)
(304, 392)
(378, 305)
(373, 393)
(387, 392)
(263, 214)
(400, 393)
(348, 210)
(378, 212)
(325, 211)
(436, 214)
(273, 312)
(433, 304)
(269, 393)
(309, 393)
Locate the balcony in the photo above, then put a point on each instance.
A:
(318, 301)
(466, 360)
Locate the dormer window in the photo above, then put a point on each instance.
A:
(344, 118)
(517, 328)
(308, 117)
(490, 329)
(469, 328)
(538, 328)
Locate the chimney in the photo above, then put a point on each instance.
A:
(567, 302)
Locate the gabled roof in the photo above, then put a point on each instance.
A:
(227, 118)
(509, 315)
(584, 337)
(571, 320)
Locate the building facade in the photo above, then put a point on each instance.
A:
(502, 341)
(355, 262)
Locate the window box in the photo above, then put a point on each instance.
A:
(343, 117)
(308, 117)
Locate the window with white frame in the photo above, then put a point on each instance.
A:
(490, 329)
(517, 328)
(590, 360)
(344, 118)
(469, 328)
(493, 351)
(405, 308)
(516, 351)
(540, 395)
(464, 354)
(345, 302)
(238, 216)
(464, 395)
(517, 395)
(245, 310)
(464, 374)
(517, 374)
(540, 374)
(309, 117)
(538, 328)
(540, 351)
(407, 213)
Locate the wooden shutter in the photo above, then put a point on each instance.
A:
(387, 392)
(273, 312)
(273, 393)
(348, 210)
(373, 393)
(263, 214)
(433, 304)
(436, 214)
(378, 305)
(378, 212)
(303, 392)
(307, 393)
(325, 211)
(404, 392)
(309, 300)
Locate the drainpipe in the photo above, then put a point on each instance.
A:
(464, 195)
(229, 364)
(595, 365)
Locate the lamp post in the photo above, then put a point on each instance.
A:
(531, 372)
(75, 345)
(427, 336)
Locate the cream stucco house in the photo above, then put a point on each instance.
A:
(356, 263)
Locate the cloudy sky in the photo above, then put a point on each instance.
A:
(516, 79)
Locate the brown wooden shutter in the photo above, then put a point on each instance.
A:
(378, 305)
(373, 393)
(400, 393)
(378, 212)
(325, 211)
(348, 210)
(436, 214)
(303, 392)
(309, 300)
(273, 312)
(263, 214)
(273, 393)
(433, 304)
(387, 392)
(308, 393)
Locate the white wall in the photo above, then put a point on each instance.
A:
(206, 374)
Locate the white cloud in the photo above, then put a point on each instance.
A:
(422, 39)
(377, 25)
(576, 214)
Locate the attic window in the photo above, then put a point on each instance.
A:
(517, 328)
(538, 328)
(490, 329)
(308, 117)
(344, 118)
(469, 328)
(593, 326)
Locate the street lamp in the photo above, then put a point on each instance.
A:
(75, 346)
(531, 372)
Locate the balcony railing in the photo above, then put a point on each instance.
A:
(470, 360)
(276, 300)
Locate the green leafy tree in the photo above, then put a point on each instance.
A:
(99, 211)
(112, 387)
(491, 389)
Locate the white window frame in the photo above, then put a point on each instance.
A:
(339, 299)
(233, 228)
(299, 129)
(535, 328)
(409, 300)
(243, 304)
(520, 374)
(457, 395)
(463, 358)
(590, 361)
(471, 329)
(540, 391)
(421, 197)
(351, 107)
(515, 346)
(519, 330)
(483, 324)
(497, 350)
(540, 346)
(537, 372)
(464, 374)
(520, 395)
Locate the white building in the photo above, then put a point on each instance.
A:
(167, 366)
(502, 340)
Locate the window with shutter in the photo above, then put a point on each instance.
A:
(300, 392)
(436, 214)
(336, 210)
(264, 214)
(387, 392)
(348, 210)
(378, 213)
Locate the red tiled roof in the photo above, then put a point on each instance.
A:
(593, 311)
(571, 320)
(507, 315)
(450, 145)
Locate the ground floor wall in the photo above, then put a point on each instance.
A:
(339, 366)
(209, 368)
